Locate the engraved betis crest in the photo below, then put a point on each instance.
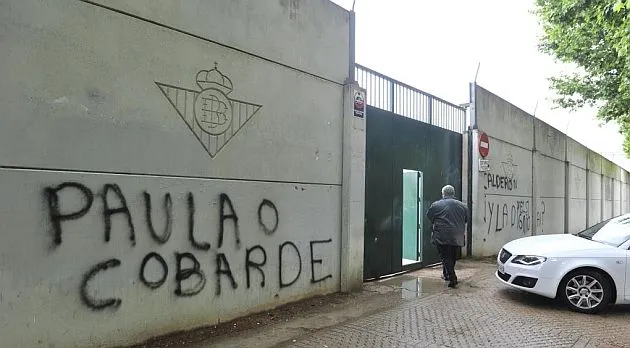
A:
(210, 114)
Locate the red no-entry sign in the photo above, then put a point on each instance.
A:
(484, 144)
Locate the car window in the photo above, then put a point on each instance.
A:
(615, 231)
(589, 232)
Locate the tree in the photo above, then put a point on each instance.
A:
(595, 36)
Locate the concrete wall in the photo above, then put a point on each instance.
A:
(502, 197)
(539, 182)
(129, 207)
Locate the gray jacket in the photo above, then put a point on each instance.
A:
(448, 218)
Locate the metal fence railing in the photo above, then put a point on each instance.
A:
(388, 94)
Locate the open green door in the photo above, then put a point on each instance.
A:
(412, 217)
(420, 212)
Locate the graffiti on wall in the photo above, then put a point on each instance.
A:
(514, 213)
(504, 179)
(186, 269)
(511, 213)
(540, 217)
(507, 212)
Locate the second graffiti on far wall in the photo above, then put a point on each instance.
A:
(502, 215)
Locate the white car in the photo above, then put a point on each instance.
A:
(587, 270)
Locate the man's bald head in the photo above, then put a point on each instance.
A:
(448, 191)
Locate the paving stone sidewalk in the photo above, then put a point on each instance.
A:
(481, 313)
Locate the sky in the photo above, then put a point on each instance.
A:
(437, 45)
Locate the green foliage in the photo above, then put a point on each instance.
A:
(595, 36)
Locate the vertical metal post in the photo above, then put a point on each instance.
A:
(473, 112)
(391, 96)
(464, 120)
(430, 110)
(351, 63)
(471, 200)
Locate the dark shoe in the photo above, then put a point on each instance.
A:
(452, 284)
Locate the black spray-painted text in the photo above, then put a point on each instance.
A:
(189, 271)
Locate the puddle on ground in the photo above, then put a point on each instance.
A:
(414, 287)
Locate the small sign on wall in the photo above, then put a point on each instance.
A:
(359, 103)
(484, 165)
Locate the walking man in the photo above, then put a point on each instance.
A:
(448, 218)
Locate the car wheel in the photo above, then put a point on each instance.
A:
(585, 291)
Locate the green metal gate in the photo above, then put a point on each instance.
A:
(399, 151)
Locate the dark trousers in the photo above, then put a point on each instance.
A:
(448, 255)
